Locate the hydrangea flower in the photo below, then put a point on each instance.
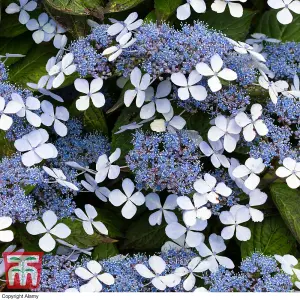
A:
(227, 128)
(158, 265)
(41, 27)
(131, 200)
(257, 197)
(259, 38)
(288, 262)
(209, 187)
(23, 9)
(253, 125)
(60, 177)
(50, 117)
(184, 10)
(291, 170)
(5, 235)
(171, 123)
(36, 148)
(237, 215)
(153, 202)
(274, 88)
(214, 151)
(91, 185)
(193, 234)
(217, 246)
(12, 107)
(189, 86)
(284, 16)
(92, 273)
(88, 222)
(91, 91)
(105, 168)
(121, 28)
(251, 168)
(193, 210)
(194, 266)
(158, 101)
(47, 242)
(235, 9)
(141, 83)
(62, 68)
(115, 51)
(27, 106)
(215, 71)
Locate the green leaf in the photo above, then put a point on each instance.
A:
(151, 17)
(269, 237)
(165, 8)
(30, 243)
(17, 45)
(235, 28)
(121, 5)
(199, 122)
(80, 238)
(75, 7)
(32, 67)
(6, 147)
(104, 251)
(287, 202)
(269, 25)
(94, 119)
(10, 26)
(141, 236)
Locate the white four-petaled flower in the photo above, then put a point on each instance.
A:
(35, 146)
(235, 9)
(214, 72)
(141, 83)
(60, 177)
(193, 210)
(193, 234)
(189, 87)
(291, 170)
(158, 265)
(88, 222)
(41, 27)
(47, 242)
(91, 185)
(184, 11)
(251, 168)
(217, 246)
(284, 16)
(62, 68)
(237, 215)
(227, 128)
(50, 117)
(120, 28)
(153, 203)
(130, 199)
(115, 51)
(23, 9)
(209, 187)
(157, 101)
(194, 266)
(92, 274)
(91, 92)
(27, 106)
(252, 125)
(105, 168)
(256, 197)
(215, 151)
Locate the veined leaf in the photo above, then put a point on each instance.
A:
(94, 119)
(287, 202)
(269, 237)
(269, 25)
(121, 5)
(104, 251)
(165, 8)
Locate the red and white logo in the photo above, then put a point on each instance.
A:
(23, 269)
